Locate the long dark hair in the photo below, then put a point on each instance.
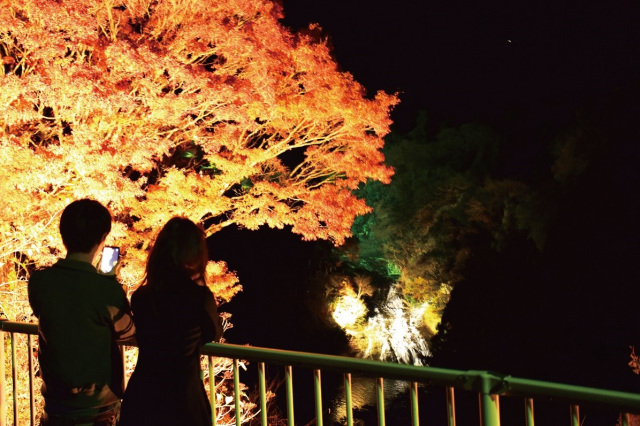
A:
(180, 249)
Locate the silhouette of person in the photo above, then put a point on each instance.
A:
(82, 317)
(175, 314)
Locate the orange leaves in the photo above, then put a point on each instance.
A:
(223, 283)
(180, 107)
(328, 213)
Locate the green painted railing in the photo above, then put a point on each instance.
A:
(488, 385)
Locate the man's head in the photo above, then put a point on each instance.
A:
(83, 224)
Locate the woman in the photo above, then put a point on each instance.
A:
(175, 313)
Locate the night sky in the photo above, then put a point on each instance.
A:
(466, 60)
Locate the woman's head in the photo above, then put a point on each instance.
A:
(180, 247)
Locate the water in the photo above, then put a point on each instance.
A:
(364, 397)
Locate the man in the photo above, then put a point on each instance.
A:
(82, 316)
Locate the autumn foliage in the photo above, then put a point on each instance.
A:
(213, 110)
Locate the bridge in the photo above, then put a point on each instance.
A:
(489, 386)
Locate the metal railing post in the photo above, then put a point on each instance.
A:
(415, 416)
(263, 393)
(14, 375)
(32, 401)
(347, 397)
(575, 414)
(3, 394)
(236, 391)
(624, 419)
(380, 393)
(528, 411)
(317, 385)
(490, 410)
(451, 406)
(489, 403)
(289, 380)
(212, 391)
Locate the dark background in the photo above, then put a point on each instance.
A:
(527, 69)
(478, 60)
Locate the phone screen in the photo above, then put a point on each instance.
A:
(109, 259)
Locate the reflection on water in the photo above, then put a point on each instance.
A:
(363, 396)
(393, 332)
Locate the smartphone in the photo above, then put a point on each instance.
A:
(109, 260)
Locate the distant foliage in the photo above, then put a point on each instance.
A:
(442, 195)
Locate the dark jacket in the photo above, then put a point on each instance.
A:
(82, 316)
(172, 324)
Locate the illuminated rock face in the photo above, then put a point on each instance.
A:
(395, 332)
(349, 309)
(405, 341)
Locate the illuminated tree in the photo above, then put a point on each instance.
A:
(210, 110)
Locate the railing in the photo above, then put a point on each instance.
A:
(489, 386)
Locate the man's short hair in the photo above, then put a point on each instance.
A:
(83, 224)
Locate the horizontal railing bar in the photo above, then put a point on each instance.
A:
(19, 327)
(501, 385)
(530, 387)
(334, 362)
